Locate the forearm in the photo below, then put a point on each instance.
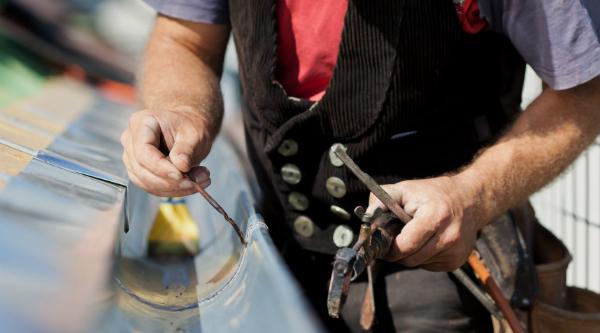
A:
(182, 68)
(544, 140)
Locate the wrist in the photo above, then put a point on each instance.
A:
(472, 190)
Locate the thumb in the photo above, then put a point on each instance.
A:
(188, 148)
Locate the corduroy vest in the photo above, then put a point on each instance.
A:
(411, 96)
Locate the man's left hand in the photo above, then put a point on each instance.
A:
(445, 220)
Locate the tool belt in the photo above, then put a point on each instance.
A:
(535, 280)
(557, 307)
(529, 264)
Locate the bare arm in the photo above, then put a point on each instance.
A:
(449, 210)
(548, 137)
(183, 108)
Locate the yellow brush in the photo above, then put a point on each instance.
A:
(174, 234)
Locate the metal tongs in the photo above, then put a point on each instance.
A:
(375, 238)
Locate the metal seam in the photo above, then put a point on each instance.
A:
(15, 146)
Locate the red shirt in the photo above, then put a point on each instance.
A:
(309, 34)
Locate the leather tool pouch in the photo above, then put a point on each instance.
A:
(558, 308)
(530, 264)
(505, 248)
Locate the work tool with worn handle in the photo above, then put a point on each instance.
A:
(374, 243)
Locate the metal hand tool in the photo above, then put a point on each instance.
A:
(165, 150)
(346, 259)
(219, 209)
(374, 241)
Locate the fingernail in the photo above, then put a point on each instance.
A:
(202, 177)
(205, 184)
(186, 184)
(175, 176)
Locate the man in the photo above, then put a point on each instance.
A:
(414, 89)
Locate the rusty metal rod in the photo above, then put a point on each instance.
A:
(372, 185)
(219, 209)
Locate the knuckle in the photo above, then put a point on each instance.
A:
(147, 119)
(409, 247)
(125, 160)
(452, 238)
(194, 134)
(444, 211)
(123, 139)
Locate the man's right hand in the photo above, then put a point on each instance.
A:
(183, 134)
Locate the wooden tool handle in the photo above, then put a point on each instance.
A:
(492, 288)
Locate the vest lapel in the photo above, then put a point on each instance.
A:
(361, 79)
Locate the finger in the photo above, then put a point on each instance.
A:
(145, 142)
(158, 185)
(436, 267)
(183, 193)
(446, 260)
(187, 151)
(442, 264)
(158, 192)
(199, 174)
(413, 237)
(204, 183)
(124, 139)
(423, 255)
(411, 207)
(127, 164)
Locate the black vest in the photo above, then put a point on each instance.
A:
(411, 96)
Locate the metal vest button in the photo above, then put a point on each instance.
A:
(291, 174)
(336, 187)
(335, 161)
(340, 212)
(298, 201)
(304, 226)
(342, 236)
(288, 148)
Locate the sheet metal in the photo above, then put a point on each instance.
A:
(227, 287)
(91, 144)
(57, 231)
(68, 266)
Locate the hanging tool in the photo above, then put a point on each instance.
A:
(350, 261)
(374, 241)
